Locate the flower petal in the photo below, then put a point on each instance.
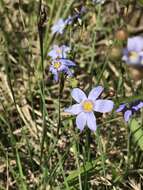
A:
(66, 70)
(95, 92)
(127, 115)
(135, 44)
(69, 20)
(54, 72)
(121, 108)
(81, 121)
(69, 73)
(125, 58)
(125, 55)
(91, 121)
(59, 52)
(58, 27)
(52, 54)
(140, 105)
(74, 109)
(63, 68)
(134, 59)
(67, 62)
(78, 95)
(65, 48)
(135, 108)
(56, 77)
(103, 106)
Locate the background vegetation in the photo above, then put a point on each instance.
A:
(33, 154)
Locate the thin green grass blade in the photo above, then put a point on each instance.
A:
(80, 171)
(22, 177)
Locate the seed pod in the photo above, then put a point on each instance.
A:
(115, 53)
(136, 72)
(112, 93)
(121, 35)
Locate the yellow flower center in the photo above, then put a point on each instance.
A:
(87, 106)
(133, 55)
(59, 51)
(57, 65)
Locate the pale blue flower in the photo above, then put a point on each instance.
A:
(61, 65)
(61, 24)
(59, 27)
(133, 54)
(130, 109)
(127, 111)
(71, 19)
(59, 52)
(85, 107)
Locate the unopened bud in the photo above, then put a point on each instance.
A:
(136, 72)
(115, 52)
(112, 93)
(121, 35)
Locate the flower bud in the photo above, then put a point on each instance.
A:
(136, 72)
(115, 53)
(112, 93)
(121, 35)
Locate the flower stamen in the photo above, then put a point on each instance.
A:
(57, 65)
(133, 55)
(58, 51)
(87, 106)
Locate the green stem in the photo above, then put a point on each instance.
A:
(101, 151)
(88, 132)
(42, 86)
(88, 141)
(59, 107)
(128, 148)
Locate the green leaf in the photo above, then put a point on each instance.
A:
(137, 132)
(140, 2)
(86, 168)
